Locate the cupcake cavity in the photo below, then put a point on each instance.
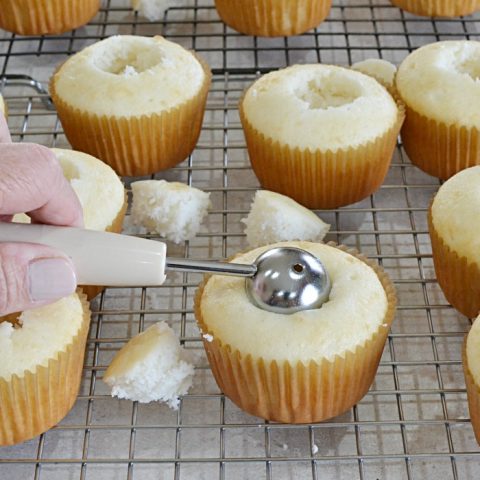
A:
(319, 107)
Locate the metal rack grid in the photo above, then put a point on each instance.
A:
(414, 421)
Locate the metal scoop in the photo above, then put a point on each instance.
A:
(281, 280)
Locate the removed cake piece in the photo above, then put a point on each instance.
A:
(153, 10)
(151, 366)
(275, 218)
(381, 70)
(171, 209)
(301, 367)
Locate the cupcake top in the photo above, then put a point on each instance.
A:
(455, 213)
(473, 351)
(319, 107)
(354, 312)
(129, 76)
(97, 186)
(441, 81)
(45, 332)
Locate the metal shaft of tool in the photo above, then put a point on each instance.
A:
(223, 268)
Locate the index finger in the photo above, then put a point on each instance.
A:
(32, 181)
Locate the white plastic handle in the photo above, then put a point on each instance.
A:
(100, 258)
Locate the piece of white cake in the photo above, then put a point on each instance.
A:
(151, 366)
(172, 209)
(276, 218)
(151, 9)
(381, 70)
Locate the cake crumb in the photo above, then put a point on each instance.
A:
(314, 449)
(130, 71)
(208, 337)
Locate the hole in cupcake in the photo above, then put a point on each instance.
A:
(298, 268)
(127, 59)
(470, 66)
(329, 92)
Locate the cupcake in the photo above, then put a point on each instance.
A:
(273, 18)
(40, 17)
(471, 370)
(41, 366)
(303, 367)
(136, 103)
(439, 86)
(101, 194)
(453, 224)
(438, 8)
(320, 134)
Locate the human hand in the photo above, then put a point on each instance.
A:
(32, 181)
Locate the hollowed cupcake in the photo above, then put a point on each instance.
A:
(303, 367)
(320, 134)
(41, 367)
(137, 103)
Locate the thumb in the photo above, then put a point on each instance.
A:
(33, 275)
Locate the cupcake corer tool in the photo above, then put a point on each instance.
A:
(281, 280)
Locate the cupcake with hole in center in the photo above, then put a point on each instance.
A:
(273, 18)
(320, 134)
(41, 17)
(438, 8)
(439, 84)
(137, 103)
(41, 366)
(302, 367)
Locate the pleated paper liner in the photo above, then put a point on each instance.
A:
(140, 145)
(36, 401)
(458, 277)
(321, 179)
(282, 392)
(91, 291)
(273, 18)
(439, 149)
(39, 17)
(473, 394)
(438, 8)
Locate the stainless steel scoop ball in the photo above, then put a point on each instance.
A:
(282, 280)
(288, 280)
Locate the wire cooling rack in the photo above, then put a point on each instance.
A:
(414, 421)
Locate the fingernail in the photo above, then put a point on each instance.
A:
(51, 279)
